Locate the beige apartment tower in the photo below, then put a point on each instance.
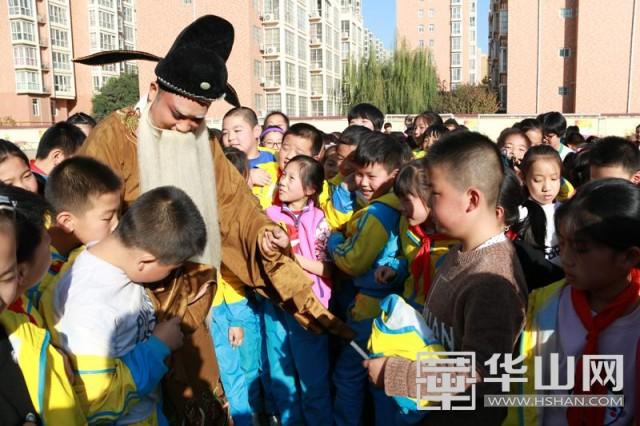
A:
(448, 28)
(565, 55)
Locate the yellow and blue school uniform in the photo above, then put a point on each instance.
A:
(42, 366)
(266, 161)
(370, 240)
(337, 202)
(566, 190)
(239, 367)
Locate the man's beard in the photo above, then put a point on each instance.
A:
(183, 160)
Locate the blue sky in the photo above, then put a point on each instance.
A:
(380, 17)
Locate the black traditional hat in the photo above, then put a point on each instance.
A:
(194, 67)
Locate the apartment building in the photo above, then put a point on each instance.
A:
(448, 28)
(565, 55)
(352, 31)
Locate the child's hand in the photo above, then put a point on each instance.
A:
(169, 333)
(68, 369)
(375, 370)
(236, 336)
(260, 177)
(274, 239)
(384, 275)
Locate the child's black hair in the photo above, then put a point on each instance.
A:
(604, 211)
(529, 124)
(553, 122)
(311, 173)
(382, 149)
(353, 135)
(238, 159)
(246, 113)
(9, 149)
(280, 113)
(30, 211)
(451, 122)
(64, 136)
(72, 184)
(512, 131)
(368, 111)
(436, 130)
(412, 180)
(535, 153)
(615, 151)
(309, 132)
(166, 223)
(576, 167)
(430, 117)
(511, 197)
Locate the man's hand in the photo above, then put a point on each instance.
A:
(236, 336)
(384, 275)
(169, 333)
(375, 370)
(260, 177)
(274, 240)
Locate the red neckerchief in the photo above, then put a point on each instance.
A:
(18, 307)
(592, 416)
(36, 169)
(511, 235)
(421, 265)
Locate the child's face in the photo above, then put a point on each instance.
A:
(515, 147)
(293, 145)
(237, 133)
(276, 120)
(420, 128)
(95, 223)
(273, 140)
(360, 121)
(8, 266)
(590, 266)
(374, 180)
(32, 272)
(290, 188)
(551, 139)
(15, 172)
(344, 157)
(543, 181)
(414, 210)
(448, 204)
(331, 166)
(535, 136)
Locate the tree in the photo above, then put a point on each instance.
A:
(467, 99)
(405, 83)
(118, 92)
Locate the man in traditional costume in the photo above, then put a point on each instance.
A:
(167, 143)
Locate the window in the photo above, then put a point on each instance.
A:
(316, 58)
(272, 7)
(272, 71)
(302, 78)
(94, 40)
(290, 74)
(563, 90)
(92, 17)
(472, 64)
(420, 13)
(566, 12)
(256, 33)
(21, 7)
(107, 41)
(504, 22)
(316, 32)
(61, 61)
(259, 103)
(25, 56)
(302, 48)
(22, 31)
(28, 81)
(565, 52)
(472, 37)
(257, 69)
(273, 102)
(272, 39)
(291, 105)
(302, 19)
(432, 28)
(456, 13)
(420, 43)
(456, 74)
(420, 28)
(346, 49)
(316, 84)
(472, 21)
(432, 13)
(62, 83)
(502, 60)
(455, 28)
(105, 19)
(96, 83)
(57, 14)
(329, 61)
(431, 43)
(128, 32)
(186, 2)
(302, 106)
(289, 12)
(456, 43)
(455, 59)
(106, 3)
(456, 1)
(289, 43)
(35, 107)
(108, 67)
(316, 108)
(127, 12)
(59, 38)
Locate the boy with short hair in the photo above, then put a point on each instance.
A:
(370, 240)
(477, 303)
(615, 157)
(366, 115)
(554, 126)
(300, 139)
(240, 129)
(105, 319)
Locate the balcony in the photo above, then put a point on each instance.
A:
(315, 15)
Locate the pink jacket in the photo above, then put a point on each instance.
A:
(310, 242)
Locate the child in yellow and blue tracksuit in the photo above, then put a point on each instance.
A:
(240, 129)
(45, 369)
(370, 240)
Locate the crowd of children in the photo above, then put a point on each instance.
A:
(529, 247)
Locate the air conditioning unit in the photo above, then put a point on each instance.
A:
(42, 19)
(263, 81)
(314, 93)
(269, 17)
(345, 34)
(271, 50)
(315, 66)
(315, 41)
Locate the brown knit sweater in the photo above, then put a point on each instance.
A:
(477, 303)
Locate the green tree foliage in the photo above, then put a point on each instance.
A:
(467, 99)
(405, 83)
(117, 93)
